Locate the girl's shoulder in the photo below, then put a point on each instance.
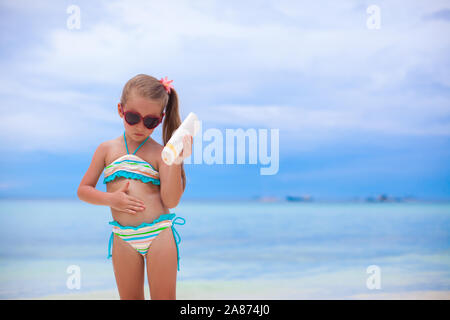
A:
(108, 144)
(109, 147)
(155, 152)
(155, 144)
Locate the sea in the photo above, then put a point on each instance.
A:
(330, 250)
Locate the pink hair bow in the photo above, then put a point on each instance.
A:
(167, 84)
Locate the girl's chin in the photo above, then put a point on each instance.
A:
(140, 137)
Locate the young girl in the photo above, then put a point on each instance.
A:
(141, 189)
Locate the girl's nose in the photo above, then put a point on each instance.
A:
(142, 128)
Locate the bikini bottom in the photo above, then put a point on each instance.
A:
(141, 237)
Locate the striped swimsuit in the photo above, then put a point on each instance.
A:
(131, 166)
(140, 238)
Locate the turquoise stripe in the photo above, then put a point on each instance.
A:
(131, 175)
(137, 161)
(126, 145)
(117, 162)
(133, 162)
(140, 233)
(165, 216)
(140, 238)
(125, 139)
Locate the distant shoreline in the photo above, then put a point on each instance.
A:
(257, 200)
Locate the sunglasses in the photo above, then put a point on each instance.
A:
(133, 117)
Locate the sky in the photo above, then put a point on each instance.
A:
(361, 100)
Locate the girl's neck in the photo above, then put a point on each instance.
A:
(133, 144)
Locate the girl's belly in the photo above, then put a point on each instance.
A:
(146, 192)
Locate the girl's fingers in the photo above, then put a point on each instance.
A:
(188, 140)
(136, 208)
(186, 152)
(187, 149)
(127, 210)
(130, 211)
(137, 204)
(136, 201)
(178, 160)
(187, 146)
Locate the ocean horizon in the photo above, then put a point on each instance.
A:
(280, 249)
(400, 199)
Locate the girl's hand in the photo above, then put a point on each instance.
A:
(121, 201)
(187, 149)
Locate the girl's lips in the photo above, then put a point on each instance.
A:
(138, 134)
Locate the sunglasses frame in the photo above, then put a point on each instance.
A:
(141, 118)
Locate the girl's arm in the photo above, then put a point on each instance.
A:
(171, 184)
(170, 176)
(86, 191)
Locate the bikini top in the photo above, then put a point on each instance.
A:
(131, 166)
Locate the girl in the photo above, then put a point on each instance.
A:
(141, 189)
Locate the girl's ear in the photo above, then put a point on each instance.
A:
(119, 110)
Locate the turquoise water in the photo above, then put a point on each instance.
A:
(326, 247)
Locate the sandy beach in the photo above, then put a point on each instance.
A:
(263, 290)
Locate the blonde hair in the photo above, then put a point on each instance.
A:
(149, 87)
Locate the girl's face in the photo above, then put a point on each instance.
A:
(145, 107)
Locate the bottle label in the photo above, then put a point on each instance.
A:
(171, 147)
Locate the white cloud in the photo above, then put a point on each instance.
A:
(306, 121)
(184, 37)
(52, 119)
(221, 50)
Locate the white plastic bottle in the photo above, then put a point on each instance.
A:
(174, 146)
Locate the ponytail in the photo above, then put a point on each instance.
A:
(171, 122)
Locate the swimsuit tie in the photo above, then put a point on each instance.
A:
(174, 231)
(110, 244)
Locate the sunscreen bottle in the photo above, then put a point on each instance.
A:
(174, 146)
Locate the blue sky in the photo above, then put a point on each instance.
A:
(359, 111)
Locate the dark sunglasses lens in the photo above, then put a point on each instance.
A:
(132, 118)
(150, 122)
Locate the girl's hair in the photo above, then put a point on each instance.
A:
(149, 87)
